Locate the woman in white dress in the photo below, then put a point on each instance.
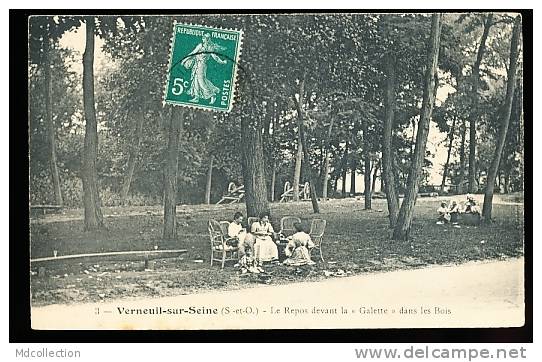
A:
(236, 230)
(265, 248)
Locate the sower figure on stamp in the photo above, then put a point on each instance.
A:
(201, 86)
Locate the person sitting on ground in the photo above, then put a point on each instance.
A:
(454, 212)
(470, 206)
(246, 259)
(443, 216)
(298, 247)
(236, 231)
(265, 248)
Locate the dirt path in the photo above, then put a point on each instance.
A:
(477, 294)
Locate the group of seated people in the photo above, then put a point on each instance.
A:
(261, 243)
(451, 214)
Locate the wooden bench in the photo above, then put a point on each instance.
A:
(42, 209)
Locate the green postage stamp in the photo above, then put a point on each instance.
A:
(203, 67)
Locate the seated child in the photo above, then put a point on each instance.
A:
(443, 216)
(247, 261)
(298, 247)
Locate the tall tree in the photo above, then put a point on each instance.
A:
(91, 197)
(133, 155)
(274, 123)
(462, 159)
(327, 159)
(475, 96)
(353, 174)
(505, 120)
(344, 169)
(387, 150)
(44, 32)
(376, 168)
(447, 164)
(208, 182)
(303, 139)
(298, 162)
(51, 134)
(367, 164)
(253, 167)
(169, 231)
(404, 220)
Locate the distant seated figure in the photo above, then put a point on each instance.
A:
(453, 211)
(443, 215)
(470, 206)
(298, 247)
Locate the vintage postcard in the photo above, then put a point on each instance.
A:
(276, 171)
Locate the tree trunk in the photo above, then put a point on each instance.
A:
(521, 138)
(326, 176)
(398, 174)
(327, 159)
(312, 183)
(91, 197)
(413, 140)
(273, 141)
(273, 179)
(462, 159)
(447, 164)
(51, 134)
(344, 163)
(208, 183)
(353, 171)
(475, 97)
(253, 166)
(132, 158)
(321, 163)
(298, 160)
(387, 150)
(366, 165)
(404, 220)
(510, 84)
(172, 168)
(302, 136)
(375, 175)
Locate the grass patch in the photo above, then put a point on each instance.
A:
(356, 241)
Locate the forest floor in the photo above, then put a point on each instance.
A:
(356, 242)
